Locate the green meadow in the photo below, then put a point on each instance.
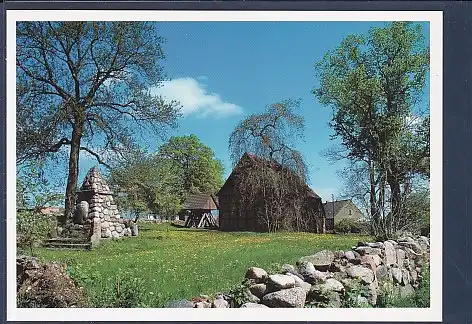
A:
(171, 263)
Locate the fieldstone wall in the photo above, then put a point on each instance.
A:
(332, 278)
(96, 215)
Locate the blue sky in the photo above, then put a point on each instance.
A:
(224, 71)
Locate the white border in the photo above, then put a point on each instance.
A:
(434, 313)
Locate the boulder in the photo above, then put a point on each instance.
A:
(203, 304)
(257, 274)
(321, 260)
(134, 229)
(390, 254)
(286, 298)
(382, 273)
(401, 255)
(405, 277)
(258, 290)
(364, 274)
(81, 212)
(280, 281)
(306, 268)
(180, 304)
(349, 255)
(397, 275)
(300, 283)
(332, 284)
(220, 303)
(363, 250)
(253, 305)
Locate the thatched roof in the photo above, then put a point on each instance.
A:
(201, 201)
(255, 159)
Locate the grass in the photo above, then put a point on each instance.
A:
(168, 263)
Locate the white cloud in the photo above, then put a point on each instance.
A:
(195, 99)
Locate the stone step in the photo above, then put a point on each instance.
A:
(71, 240)
(79, 246)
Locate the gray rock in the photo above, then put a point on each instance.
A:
(306, 268)
(372, 294)
(364, 274)
(81, 212)
(286, 298)
(280, 281)
(377, 245)
(400, 257)
(332, 284)
(258, 290)
(413, 276)
(405, 277)
(349, 255)
(321, 260)
(316, 277)
(363, 250)
(134, 229)
(220, 303)
(405, 291)
(257, 274)
(423, 241)
(203, 304)
(397, 275)
(412, 245)
(300, 283)
(179, 304)
(382, 273)
(390, 254)
(253, 305)
(248, 297)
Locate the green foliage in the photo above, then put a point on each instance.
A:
(32, 229)
(33, 190)
(122, 291)
(148, 184)
(174, 267)
(348, 225)
(390, 297)
(239, 293)
(354, 296)
(200, 170)
(373, 83)
(159, 183)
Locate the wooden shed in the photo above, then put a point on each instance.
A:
(198, 207)
(238, 212)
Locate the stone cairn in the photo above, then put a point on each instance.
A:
(96, 215)
(354, 278)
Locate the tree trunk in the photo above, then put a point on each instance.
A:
(72, 179)
(373, 201)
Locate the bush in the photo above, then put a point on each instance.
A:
(348, 225)
(32, 229)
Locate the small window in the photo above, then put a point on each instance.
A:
(350, 211)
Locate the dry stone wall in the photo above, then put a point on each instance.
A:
(96, 215)
(356, 278)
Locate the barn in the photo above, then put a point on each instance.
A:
(263, 196)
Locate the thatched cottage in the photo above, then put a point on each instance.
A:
(263, 196)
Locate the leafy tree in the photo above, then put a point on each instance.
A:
(86, 85)
(148, 184)
(200, 170)
(159, 183)
(373, 83)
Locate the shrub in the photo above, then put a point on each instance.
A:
(32, 229)
(348, 225)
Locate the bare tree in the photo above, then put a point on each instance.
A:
(87, 85)
(271, 136)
